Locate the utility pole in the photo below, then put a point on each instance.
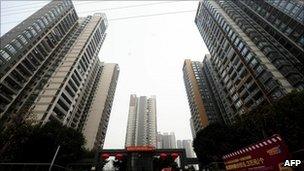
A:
(55, 155)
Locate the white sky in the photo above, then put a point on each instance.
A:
(149, 50)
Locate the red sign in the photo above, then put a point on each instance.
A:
(266, 155)
(140, 148)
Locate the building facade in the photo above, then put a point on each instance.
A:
(99, 110)
(248, 56)
(141, 127)
(50, 71)
(187, 145)
(31, 52)
(166, 140)
(203, 107)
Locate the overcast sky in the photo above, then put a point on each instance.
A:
(150, 51)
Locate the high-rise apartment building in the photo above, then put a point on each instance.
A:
(32, 51)
(203, 107)
(166, 140)
(141, 128)
(187, 145)
(159, 140)
(50, 71)
(99, 110)
(250, 58)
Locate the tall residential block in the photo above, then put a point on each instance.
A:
(187, 145)
(141, 127)
(166, 140)
(50, 71)
(32, 51)
(250, 58)
(203, 107)
(99, 110)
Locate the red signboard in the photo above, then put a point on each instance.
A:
(266, 155)
(140, 148)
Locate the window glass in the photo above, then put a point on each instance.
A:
(36, 26)
(17, 44)
(27, 34)
(248, 56)
(22, 39)
(11, 49)
(32, 31)
(295, 10)
(45, 20)
(282, 4)
(289, 6)
(55, 12)
(253, 62)
(52, 15)
(301, 16)
(244, 51)
(236, 42)
(41, 23)
(48, 17)
(240, 46)
(5, 55)
(288, 31)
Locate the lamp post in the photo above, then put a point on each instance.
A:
(55, 155)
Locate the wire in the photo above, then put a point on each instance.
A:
(151, 15)
(38, 5)
(23, 10)
(116, 8)
(124, 7)
(137, 16)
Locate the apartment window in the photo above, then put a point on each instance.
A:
(244, 51)
(66, 98)
(295, 10)
(27, 34)
(32, 31)
(22, 39)
(42, 25)
(36, 26)
(48, 17)
(289, 6)
(17, 44)
(288, 31)
(240, 46)
(5, 55)
(55, 12)
(277, 22)
(52, 15)
(45, 20)
(282, 4)
(259, 69)
(253, 63)
(236, 42)
(238, 104)
(11, 49)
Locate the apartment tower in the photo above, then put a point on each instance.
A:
(166, 140)
(99, 110)
(203, 107)
(141, 128)
(253, 59)
(50, 70)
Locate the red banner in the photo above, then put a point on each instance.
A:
(140, 148)
(265, 155)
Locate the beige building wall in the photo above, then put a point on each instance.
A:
(99, 112)
(43, 108)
